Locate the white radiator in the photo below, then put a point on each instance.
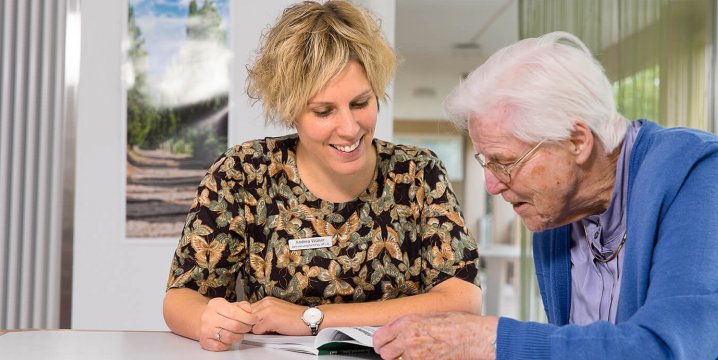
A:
(32, 162)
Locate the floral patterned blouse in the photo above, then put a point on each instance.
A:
(403, 235)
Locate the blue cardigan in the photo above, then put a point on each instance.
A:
(668, 307)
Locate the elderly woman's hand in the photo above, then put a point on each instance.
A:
(278, 316)
(451, 335)
(224, 323)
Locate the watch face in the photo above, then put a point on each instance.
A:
(312, 315)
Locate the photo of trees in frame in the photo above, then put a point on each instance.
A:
(177, 78)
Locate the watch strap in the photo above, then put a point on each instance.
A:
(313, 326)
(314, 329)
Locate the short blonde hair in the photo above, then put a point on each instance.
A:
(307, 47)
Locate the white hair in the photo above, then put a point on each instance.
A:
(545, 84)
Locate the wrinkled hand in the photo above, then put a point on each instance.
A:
(448, 335)
(230, 320)
(279, 316)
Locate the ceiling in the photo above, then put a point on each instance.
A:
(429, 33)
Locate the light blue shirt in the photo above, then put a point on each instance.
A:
(595, 286)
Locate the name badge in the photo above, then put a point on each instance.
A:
(310, 243)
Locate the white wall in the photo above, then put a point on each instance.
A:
(246, 121)
(420, 95)
(116, 283)
(385, 10)
(119, 283)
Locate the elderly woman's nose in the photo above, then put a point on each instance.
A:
(494, 186)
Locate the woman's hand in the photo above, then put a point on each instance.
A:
(224, 323)
(449, 335)
(278, 316)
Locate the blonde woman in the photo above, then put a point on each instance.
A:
(328, 226)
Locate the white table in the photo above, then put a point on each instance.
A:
(134, 345)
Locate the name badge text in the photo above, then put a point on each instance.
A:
(310, 243)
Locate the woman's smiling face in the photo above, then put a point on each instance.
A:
(337, 125)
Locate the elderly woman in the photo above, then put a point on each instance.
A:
(624, 215)
(324, 223)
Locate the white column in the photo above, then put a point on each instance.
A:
(474, 202)
(249, 20)
(385, 10)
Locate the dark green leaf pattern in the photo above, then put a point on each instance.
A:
(403, 235)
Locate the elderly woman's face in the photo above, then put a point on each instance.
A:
(541, 185)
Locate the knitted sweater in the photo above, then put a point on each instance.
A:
(668, 308)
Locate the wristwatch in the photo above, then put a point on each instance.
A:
(313, 317)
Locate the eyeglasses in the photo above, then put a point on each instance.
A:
(503, 171)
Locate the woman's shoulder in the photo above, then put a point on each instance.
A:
(671, 143)
(401, 152)
(672, 136)
(261, 150)
(684, 152)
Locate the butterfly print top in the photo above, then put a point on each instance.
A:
(404, 234)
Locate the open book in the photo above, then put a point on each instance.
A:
(338, 340)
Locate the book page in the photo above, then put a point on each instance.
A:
(359, 335)
(303, 344)
(340, 340)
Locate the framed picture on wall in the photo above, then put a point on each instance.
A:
(176, 72)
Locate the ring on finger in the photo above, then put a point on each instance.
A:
(218, 335)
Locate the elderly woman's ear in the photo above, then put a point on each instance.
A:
(582, 142)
